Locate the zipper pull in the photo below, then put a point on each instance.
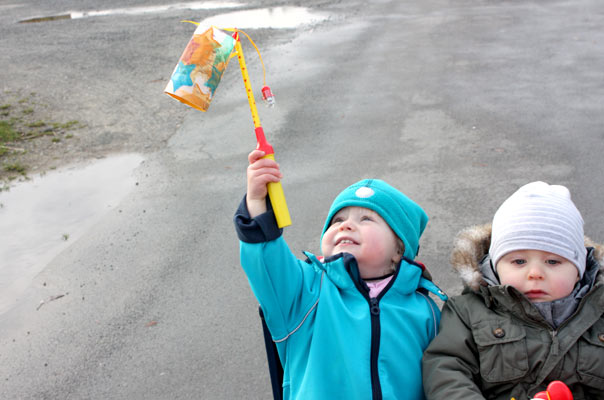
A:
(555, 343)
(374, 306)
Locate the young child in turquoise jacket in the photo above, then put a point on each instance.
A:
(354, 324)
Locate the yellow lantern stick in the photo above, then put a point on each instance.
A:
(275, 190)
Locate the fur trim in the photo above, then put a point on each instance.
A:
(472, 244)
(598, 255)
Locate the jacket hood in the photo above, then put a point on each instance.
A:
(472, 244)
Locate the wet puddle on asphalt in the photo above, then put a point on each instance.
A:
(41, 217)
(274, 17)
(201, 5)
(196, 5)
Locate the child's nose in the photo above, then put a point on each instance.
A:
(346, 225)
(535, 271)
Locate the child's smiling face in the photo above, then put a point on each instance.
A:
(539, 275)
(364, 234)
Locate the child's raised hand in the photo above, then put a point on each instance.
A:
(260, 172)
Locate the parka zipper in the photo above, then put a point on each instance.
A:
(374, 307)
(555, 343)
(554, 332)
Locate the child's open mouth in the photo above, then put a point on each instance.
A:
(345, 241)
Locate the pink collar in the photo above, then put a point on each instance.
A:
(376, 287)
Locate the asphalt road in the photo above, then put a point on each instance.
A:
(457, 103)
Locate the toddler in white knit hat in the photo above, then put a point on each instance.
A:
(530, 319)
(537, 242)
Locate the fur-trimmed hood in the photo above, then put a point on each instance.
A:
(472, 244)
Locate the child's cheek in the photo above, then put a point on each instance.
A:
(562, 288)
(326, 249)
(375, 249)
(512, 280)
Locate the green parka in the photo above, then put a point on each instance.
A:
(495, 344)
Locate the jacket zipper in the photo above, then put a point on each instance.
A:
(374, 310)
(555, 344)
(374, 307)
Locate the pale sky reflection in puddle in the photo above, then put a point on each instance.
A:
(41, 217)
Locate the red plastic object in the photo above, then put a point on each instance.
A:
(268, 96)
(263, 144)
(556, 390)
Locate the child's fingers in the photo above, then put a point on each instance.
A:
(260, 172)
(263, 163)
(257, 179)
(266, 175)
(255, 155)
(263, 175)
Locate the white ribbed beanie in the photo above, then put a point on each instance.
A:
(543, 217)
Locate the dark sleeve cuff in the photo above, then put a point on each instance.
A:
(261, 229)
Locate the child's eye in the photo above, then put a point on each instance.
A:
(518, 261)
(366, 218)
(552, 262)
(336, 220)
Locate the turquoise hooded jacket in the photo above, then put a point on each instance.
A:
(334, 341)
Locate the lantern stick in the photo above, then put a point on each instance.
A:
(275, 190)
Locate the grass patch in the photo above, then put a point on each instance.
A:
(7, 132)
(66, 125)
(22, 122)
(37, 124)
(25, 126)
(16, 167)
